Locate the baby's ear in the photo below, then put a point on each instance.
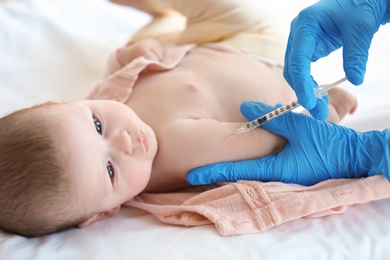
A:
(99, 216)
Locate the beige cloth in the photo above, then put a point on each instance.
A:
(251, 26)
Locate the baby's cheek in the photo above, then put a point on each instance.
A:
(140, 180)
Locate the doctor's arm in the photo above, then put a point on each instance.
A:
(316, 151)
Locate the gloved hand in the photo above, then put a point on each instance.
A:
(316, 151)
(324, 27)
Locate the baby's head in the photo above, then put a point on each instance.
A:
(71, 164)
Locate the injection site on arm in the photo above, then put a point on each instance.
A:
(319, 91)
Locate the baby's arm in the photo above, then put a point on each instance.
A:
(202, 142)
(316, 151)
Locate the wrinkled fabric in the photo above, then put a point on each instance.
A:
(253, 206)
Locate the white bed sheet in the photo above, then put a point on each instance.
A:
(56, 49)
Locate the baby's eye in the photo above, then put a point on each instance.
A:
(110, 170)
(98, 126)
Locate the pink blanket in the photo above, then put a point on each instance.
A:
(250, 206)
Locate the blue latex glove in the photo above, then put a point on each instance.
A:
(316, 151)
(324, 27)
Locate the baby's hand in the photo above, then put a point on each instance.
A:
(149, 48)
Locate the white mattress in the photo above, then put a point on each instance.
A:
(53, 49)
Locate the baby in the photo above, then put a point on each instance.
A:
(165, 110)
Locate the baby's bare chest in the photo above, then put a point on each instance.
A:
(206, 84)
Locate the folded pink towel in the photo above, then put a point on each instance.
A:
(250, 206)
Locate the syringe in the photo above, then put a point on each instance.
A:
(320, 91)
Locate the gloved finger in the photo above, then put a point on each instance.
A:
(321, 110)
(219, 172)
(298, 65)
(324, 48)
(286, 71)
(355, 55)
(326, 99)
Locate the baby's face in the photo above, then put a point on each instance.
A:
(108, 151)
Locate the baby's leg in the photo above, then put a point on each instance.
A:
(341, 103)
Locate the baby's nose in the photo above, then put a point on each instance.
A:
(122, 142)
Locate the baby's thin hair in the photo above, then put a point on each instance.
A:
(33, 187)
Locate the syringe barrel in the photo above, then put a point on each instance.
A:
(271, 115)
